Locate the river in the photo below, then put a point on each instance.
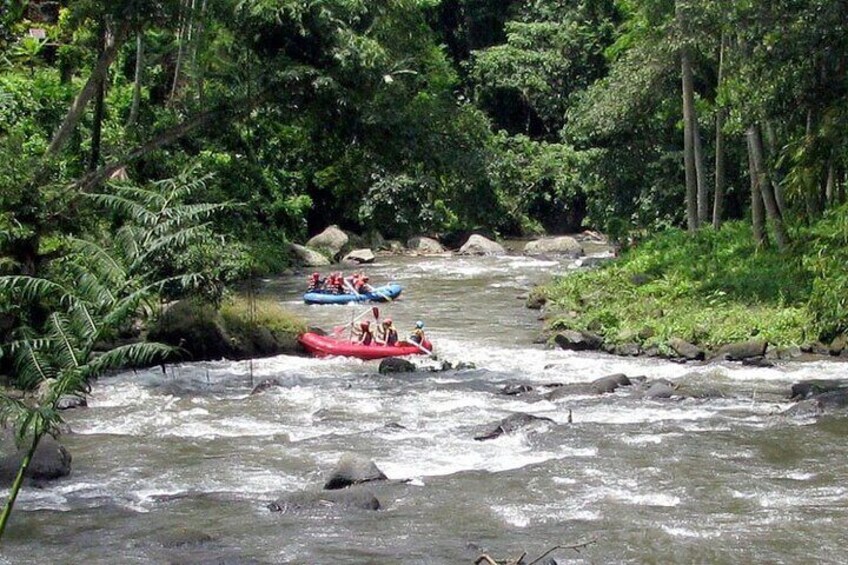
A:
(179, 467)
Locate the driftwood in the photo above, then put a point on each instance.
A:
(485, 558)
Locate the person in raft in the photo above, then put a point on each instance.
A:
(335, 284)
(366, 336)
(360, 283)
(417, 335)
(387, 334)
(316, 283)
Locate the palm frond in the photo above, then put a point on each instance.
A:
(178, 239)
(119, 204)
(132, 355)
(33, 288)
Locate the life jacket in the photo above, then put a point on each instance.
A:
(417, 335)
(391, 336)
(367, 337)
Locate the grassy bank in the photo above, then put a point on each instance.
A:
(712, 289)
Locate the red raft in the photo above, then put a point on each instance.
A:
(324, 346)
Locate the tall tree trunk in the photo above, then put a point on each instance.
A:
(718, 197)
(72, 118)
(689, 143)
(700, 175)
(830, 185)
(757, 209)
(139, 69)
(184, 35)
(195, 69)
(688, 88)
(97, 122)
(812, 197)
(772, 209)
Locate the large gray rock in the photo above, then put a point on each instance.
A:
(609, 383)
(513, 423)
(810, 388)
(742, 350)
(359, 256)
(70, 401)
(332, 239)
(659, 389)
(353, 498)
(577, 340)
(479, 245)
(825, 403)
(686, 350)
(51, 459)
(308, 257)
(425, 245)
(353, 469)
(563, 245)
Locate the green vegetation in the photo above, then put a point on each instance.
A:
(712, 289)
(242, 317)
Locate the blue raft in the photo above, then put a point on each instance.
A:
(380, 294)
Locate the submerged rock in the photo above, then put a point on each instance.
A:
(69, 402)
(516, 389)
(807, 389)
(609, 383)
(352, 498)
(265, 385)
(359, 256)
(512, 424)
(353, 469)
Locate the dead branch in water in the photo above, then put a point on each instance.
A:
(485, 558)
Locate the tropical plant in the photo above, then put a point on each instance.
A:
(92, 293)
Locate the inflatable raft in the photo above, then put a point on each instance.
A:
(324, 346)
(380, 294)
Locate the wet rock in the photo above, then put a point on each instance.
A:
(69, 402)
(265, 385)
(196, 328)
(50, 461)
(810, 388)
(512, 424)
(347, 499)
(659, 389)
(825, 403)
(308, 257)
(359, 256)
(628, 349)
(353, 469)
(332, 239)
(516, 389)
(563, 245)
(757, 362)
(742, 350)
(609, 383)
(577, 340)
(686, 350)
(479, 245)
(425, 245)
(396, 365)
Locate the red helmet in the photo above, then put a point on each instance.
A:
(316, 276)
(387, 322)
(365, 324)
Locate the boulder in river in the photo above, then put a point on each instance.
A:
(347, 499)
(359, 257)
(562, 245)
(332, 239)
(578, 340)
(396, 365)
(479, 245)
(820, 404)
(353, 469)
(609, 383)
(70, 401)
(514, 389)
(309, 257)
(513, 423)
(425, 245)
(810, 388)
(51, 460)
(742, 350)
(659, 389)
(686, 350)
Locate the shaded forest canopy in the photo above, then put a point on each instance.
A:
(425, 116)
